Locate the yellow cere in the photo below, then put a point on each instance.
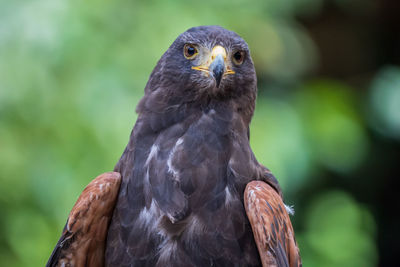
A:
(217, 50)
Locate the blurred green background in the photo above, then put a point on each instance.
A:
(327, 121)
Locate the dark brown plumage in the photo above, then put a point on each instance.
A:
(188, 160)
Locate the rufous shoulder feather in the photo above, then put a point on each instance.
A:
(82, 242)
(272, 229)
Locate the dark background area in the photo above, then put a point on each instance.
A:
(354, 43)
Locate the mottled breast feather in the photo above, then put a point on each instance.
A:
(182, 203)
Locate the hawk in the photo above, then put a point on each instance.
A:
(187, 190)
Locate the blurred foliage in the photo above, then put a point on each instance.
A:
(385, 102)
(346, 228)
(71, 73)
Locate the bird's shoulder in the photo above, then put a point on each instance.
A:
(82, 241)
(272, 228)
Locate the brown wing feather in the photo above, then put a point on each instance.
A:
(272, 229)
(82, 242)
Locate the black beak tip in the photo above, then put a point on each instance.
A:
(218, 77)
(218, 68)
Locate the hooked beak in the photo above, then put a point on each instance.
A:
(216, 64)
(217, 68)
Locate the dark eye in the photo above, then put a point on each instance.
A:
(238, 57)
(190, 51)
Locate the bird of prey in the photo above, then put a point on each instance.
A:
(177, 195)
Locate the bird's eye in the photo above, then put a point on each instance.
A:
(190, 51)
(238, 57)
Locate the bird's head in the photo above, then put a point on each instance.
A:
(216, 61)
(204, 62)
